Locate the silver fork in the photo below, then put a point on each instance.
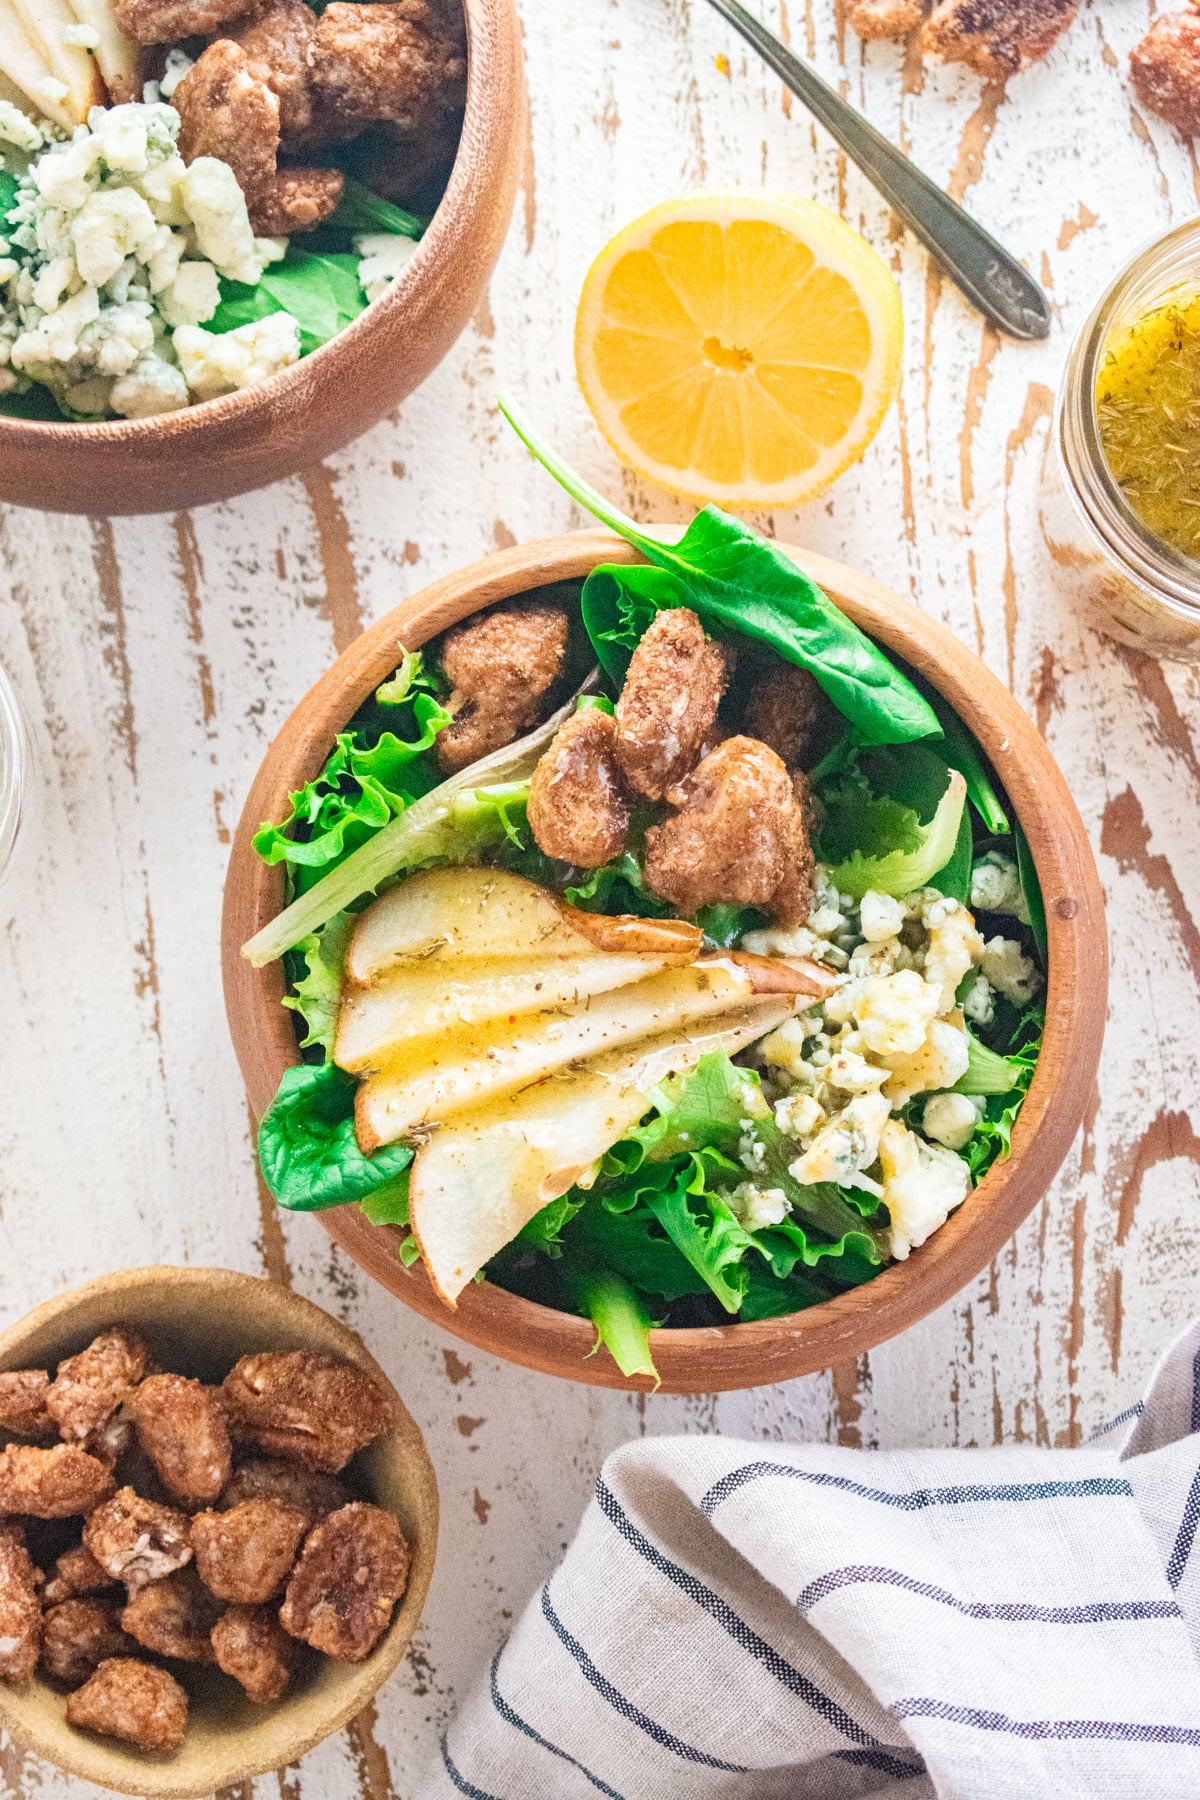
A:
(985, 271)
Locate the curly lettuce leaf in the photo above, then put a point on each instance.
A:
(719, 1107)
(989, 1073)
(360, 790)
(317, 993)
(307, 1149)
(991, 1140)
(906, 865)
(737, 581)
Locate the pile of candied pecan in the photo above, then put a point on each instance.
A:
(278, 85)
(218, 1511)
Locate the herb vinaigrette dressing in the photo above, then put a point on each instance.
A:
(1148, 415)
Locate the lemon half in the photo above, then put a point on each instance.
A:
(739, 347)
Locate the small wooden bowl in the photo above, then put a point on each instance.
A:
(714, 1358)
(198, 1322)
(244, 440)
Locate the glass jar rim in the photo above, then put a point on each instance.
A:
(14, 769)
(1145, 278)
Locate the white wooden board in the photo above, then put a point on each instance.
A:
(157, 656)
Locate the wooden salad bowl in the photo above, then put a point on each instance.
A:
(245, 440)
(712, 1358)
(198, 1322)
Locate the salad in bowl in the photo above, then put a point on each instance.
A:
(661, 950)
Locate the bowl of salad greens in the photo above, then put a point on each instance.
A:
(698, 1079)
(242, 236)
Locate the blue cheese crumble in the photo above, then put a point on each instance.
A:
(891, 1032)
(112, 264)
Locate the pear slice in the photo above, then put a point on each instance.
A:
(116, 57)
(487, 912)
(24, 62)
(44, 22)
(414, 1000)
(478, 1063)
(483, 1176)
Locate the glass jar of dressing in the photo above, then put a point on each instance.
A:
(16, 776)
(1120, 500)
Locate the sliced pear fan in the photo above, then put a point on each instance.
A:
(487, 912)
(478, 1064)
(44, 22)
(480, 1179)
(116, 57)
(411, 1001)
(24, 63)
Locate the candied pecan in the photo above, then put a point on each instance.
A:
(77, 1636)
(270, 1478)
(352, 1570)
(51, 1484)
(501, 666)
(164, 21)
(387, 61)
(578, 806)
(88, 1388)
(673, 687)
(137, 1540)
(996, 38)
(173, 1617)
(132, 1700)
(885, 18)
(295, 199)
(1165, 70)
(246, 1554)
(738, 836)
(226, 112)
(788, 711)
(250, 1644)
(20, 1610)
(76, 1572)
(313, 1408)
(279, 45)
(182, 1431)
(23, 1405)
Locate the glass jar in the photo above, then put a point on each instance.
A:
(16, 777)
(1136, 587)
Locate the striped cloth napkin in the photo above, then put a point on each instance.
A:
(766, 1620)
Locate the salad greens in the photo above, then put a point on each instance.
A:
(670, 1228)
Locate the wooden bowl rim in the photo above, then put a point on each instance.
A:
(451, 219)
(712, 1358)
(291, 1314)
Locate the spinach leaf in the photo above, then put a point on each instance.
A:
(320, 291)
(361, 210)
(307, 1149)
(388, 1205)
(9, 184)
(963, 753)
(1031, 888)
(737, 581)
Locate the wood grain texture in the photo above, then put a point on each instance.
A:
(715, 1358)
(158, 657)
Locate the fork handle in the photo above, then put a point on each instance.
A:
(985, 271)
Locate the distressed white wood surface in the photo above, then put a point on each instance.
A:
(157, 656)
